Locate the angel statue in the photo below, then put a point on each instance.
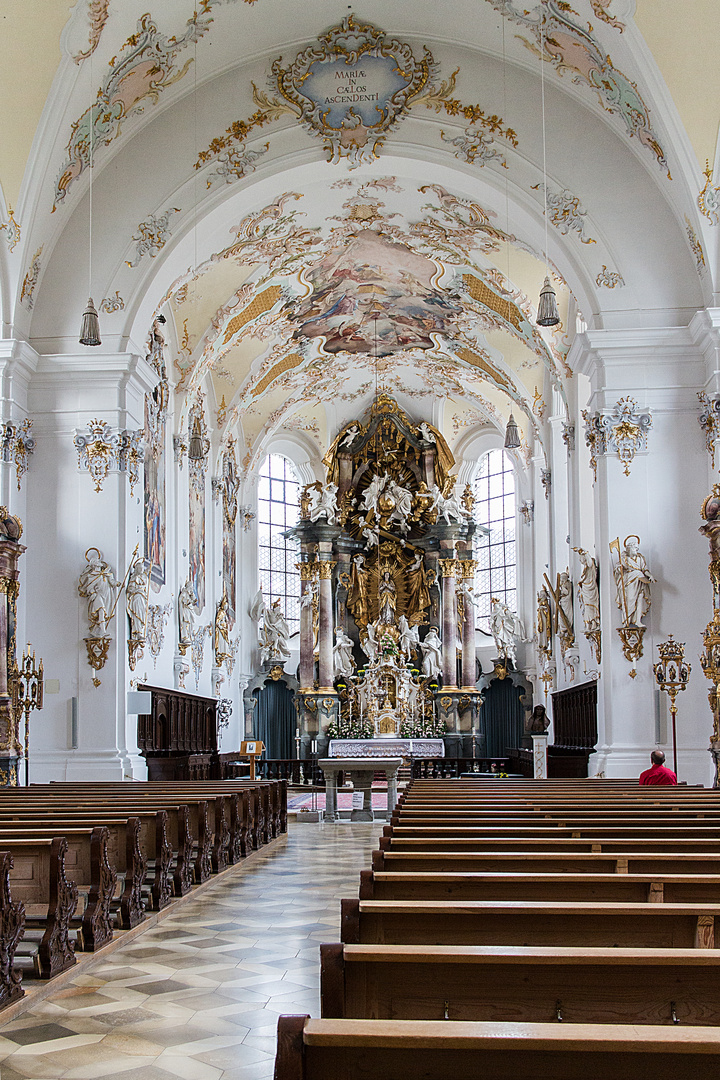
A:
(370, 644)
(432, 653)
(273, 629)
(343, 662)
(447, 506)
(506, 629)
(323, 503)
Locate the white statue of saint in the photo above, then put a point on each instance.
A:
(97, 583)
(323, 503)
(432, 653)
(589, 591)
(632, 582)
(370, 644)
(506, 629)
(565, 613)
(403, 504)
(427, 434)
(136, 599)
(186, 603)
(409, 639)
(343, 662)
(273, 629)
(372, 493)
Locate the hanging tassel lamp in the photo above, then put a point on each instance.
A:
(547, 314)
(512, 435)
(90, 326)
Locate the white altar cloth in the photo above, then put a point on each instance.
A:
(388, 747)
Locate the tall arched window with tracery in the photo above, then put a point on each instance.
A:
(278, 504)
(496, 575)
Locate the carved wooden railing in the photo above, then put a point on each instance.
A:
(444, 767)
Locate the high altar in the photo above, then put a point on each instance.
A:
(387, 627)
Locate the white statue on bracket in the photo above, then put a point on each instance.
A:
(432, 653)
(370, 644)
(323, 503)
(273, 629)
(506, 628)
(343, 661)
(97, 583)
(589, 591)
(632, 582)
(137, 595)
(186, 604)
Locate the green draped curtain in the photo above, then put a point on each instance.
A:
(274, 719)
(502, 718)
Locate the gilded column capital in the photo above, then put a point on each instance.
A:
(467, 568)
(308, 570)
(449, 568)
(325, 568)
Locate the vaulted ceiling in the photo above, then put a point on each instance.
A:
(298, 264)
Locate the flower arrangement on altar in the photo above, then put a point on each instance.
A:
(424, 727)
(354, 728)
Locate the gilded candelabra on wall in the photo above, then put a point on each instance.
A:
(622, 430)
(632, 583)
(17, 446)
(26, 687)
(101, 450)
(672, 673)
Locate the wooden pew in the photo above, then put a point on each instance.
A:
(521, 984)
(550, 861)
(435, 1050)
(509, 922)
(625, 888)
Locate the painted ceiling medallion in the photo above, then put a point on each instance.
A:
(354, 87)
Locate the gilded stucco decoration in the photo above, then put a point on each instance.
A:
(600, 8)
(565, 211)
(697, 248)
(152, 235)
(709, 421)
(110, 304)
(102, 450)
(157, 618)
(11, 228)
(475, 147)
(98, 14)
(709, 197)
(30, 280)
(350, 88)
(609, 279)
(572, 49)
(144, 67)
(623, 431)
(17, 446)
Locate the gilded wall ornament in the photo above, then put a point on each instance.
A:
(197, 650)
(98, 13)
(475, 147)
(622, 431)
(30, 280)
(697, 248)
(565, 211)
(97, 654)
(546, 481)
(157, 618)
(109, 304)
(153, 234)
(609, 279)
(709, 198)
(179, 450)
(709, 421)
(527, 511)
(17, 446)
(568, 435)
(102, 450)
(11, 229)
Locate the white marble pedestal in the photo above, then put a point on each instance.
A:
(363, 770)
(540, 745)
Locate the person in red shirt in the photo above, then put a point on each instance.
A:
(658, 774)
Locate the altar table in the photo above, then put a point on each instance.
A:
(387, 747)
(363, 770)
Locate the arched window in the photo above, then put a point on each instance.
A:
(278, 502)
(496, 575)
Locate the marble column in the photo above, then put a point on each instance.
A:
(308, 572)
(468, 678)
(448, 569)
(325, 664)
